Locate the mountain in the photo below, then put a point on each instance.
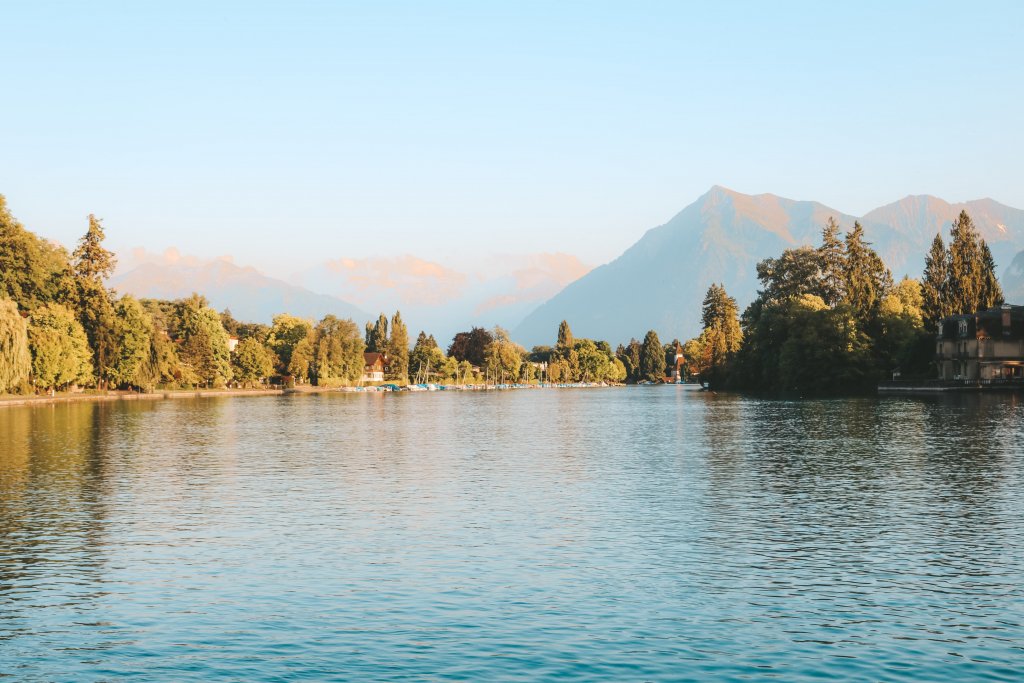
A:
(251, 296)
(660, 281)
(914, 220)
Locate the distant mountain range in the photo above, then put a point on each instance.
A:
(657, 283)
(660, 281)
(251, 295)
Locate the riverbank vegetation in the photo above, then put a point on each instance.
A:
(826, 319)
(830, 319)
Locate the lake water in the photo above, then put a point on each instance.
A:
(619, 534)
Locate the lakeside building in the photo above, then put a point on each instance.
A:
(374, 367)
(987, 345)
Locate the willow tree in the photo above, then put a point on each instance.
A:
(15, 360)
(59, 347)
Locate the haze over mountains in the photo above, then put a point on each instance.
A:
(660, 281)
(657, 283)
(251, 295)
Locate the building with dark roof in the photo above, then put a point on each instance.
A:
(987, 345)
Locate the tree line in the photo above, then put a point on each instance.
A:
(831, 319)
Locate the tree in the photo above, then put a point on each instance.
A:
(301, 361)
(832, 258)
(377, 336)
(398, 350)
(33, 272)
(92, 265)
(629, 356)
(867, 278)
(964, 279)
(652, 358)
(91, 260)
(59, 347)
(934, 295)
(285, 333)
(565, 339)
(132, 329)
(796, 272)
(252, 362)
(338, 352)
(720, 312)
(15, 360)
(991, 293)
(470, 346)
(204, 342)
(426, 359)
(502, 359)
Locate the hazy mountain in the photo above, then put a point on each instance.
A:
(1013, 280)
(660, 281)
(250, 295)
(914, 220)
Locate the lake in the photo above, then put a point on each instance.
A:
(648, 533)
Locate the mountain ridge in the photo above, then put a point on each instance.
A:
(721, 236)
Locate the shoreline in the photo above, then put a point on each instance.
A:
(132, 396)
(113, 396)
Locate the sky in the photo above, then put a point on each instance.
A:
(293, 135)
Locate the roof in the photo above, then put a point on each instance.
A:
(985, 324)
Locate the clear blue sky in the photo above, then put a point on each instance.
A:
(289, 133)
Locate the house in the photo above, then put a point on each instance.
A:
(374, 367)
(675, 371)
(987, 345)
(232, 344)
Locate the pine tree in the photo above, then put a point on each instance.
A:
(867, 278)
(398, 349)
(832, 254)
(721, 315)
(652, 358)
(991, 291)
(965, 266)
(935, 300)
(92, 264)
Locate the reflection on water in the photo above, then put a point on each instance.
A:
(648, 533)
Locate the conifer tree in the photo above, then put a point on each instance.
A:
(934, 284)
(965, 266)
(92, 265)
(867, 278)
(991, 291)
(652, 358)
(398, 349)
(832, 254)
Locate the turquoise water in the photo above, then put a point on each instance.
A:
(622, 534)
